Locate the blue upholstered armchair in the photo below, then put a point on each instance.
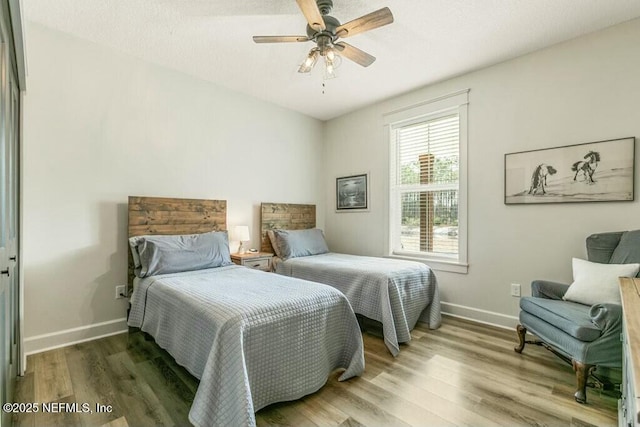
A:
(587, 336)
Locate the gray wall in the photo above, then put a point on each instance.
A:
(100, 126)
(580, 91)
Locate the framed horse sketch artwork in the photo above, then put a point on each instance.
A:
(601, 171)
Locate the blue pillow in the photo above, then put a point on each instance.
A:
(299, 243)
(172, 254)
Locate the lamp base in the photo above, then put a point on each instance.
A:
(242, 249)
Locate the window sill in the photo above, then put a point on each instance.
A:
(436, 264)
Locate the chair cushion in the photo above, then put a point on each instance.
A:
(572, 318)
(600, 246)
(628, 250)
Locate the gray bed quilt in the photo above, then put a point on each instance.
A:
(252, 338)
(394, 292)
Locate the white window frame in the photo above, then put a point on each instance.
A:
(445, 105)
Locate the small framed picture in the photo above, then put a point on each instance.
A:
(352, 193)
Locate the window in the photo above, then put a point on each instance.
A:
(427, 183)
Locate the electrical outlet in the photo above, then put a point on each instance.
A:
(120, 291)
(515, 289)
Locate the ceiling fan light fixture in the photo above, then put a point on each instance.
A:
(330, 66)
(310, 61)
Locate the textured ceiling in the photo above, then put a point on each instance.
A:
(429, 41)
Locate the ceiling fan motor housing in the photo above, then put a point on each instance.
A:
(330, 23)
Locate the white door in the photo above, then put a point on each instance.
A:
(13, 126)
(10, 336)
(5, 271)
(9, 202)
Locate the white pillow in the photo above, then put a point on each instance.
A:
(595, 283)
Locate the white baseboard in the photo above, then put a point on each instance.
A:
(50, 341)
(478, 315)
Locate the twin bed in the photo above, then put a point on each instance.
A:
(254, 338)
(251, 338)
(394, 292)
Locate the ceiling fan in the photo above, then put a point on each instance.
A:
(325, 30)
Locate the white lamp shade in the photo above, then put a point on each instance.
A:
(241, 233)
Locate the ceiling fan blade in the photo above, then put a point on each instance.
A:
(311, 12)
(356, 55)
(280, 39)
(365, 23)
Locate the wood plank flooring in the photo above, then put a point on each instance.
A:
(463, 374)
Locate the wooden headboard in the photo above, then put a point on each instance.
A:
(160, 215)
(285, 216)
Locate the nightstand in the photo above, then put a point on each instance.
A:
(255, 260)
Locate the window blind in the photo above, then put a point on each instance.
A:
(425, 182)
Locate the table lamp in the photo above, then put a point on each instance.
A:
(241, 233)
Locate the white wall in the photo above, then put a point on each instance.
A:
(100, 126)
(580, 91)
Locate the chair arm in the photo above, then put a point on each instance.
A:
(548, 289)
(606, 317)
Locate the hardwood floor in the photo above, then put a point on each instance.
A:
(461, 374)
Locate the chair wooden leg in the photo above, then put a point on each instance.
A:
(522, 332)
(582, 373)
